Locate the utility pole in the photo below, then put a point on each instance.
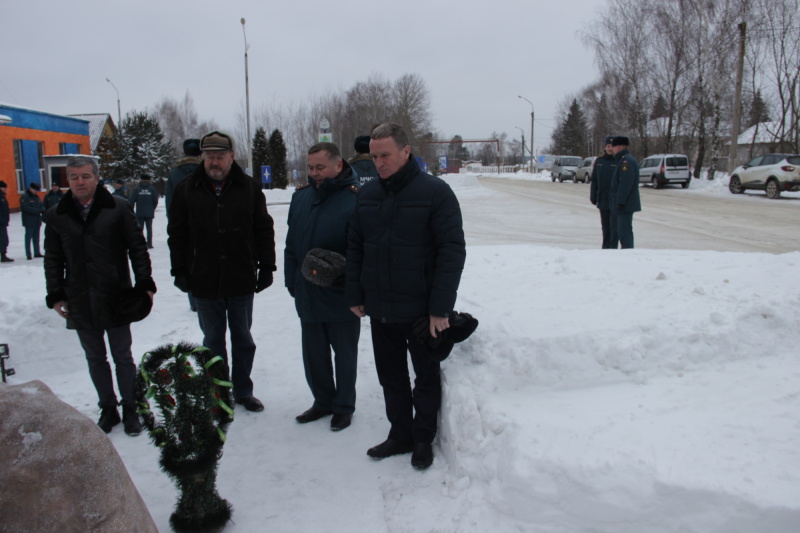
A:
(247, 104)
(737, 107)
(119, 108)
(531, 149)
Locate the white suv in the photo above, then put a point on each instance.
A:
(664, 169)
(771, 173)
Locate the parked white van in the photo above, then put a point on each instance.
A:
(664, 169)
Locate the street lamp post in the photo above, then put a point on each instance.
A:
(119, 108)
(247, 102)
(531, 149)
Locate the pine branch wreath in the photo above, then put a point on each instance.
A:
(191, 388)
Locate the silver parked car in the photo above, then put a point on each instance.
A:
(584, 172)
(564, 167)
(771, 173)
(664, 169)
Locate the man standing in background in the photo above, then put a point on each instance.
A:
(145, 200)
(185, 166)
(53, 196)
(624, 191)
(362, 163)
(32, 209)
(600, 190)
(5, 216)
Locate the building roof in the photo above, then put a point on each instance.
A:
(97, 123)
(767, 133)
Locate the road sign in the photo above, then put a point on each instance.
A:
(266, 174)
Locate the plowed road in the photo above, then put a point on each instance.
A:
(559, 214)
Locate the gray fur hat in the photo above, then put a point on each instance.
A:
(324, 268)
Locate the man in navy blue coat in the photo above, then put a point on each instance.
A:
(405, 255)
(624, 196)
(600, 191)
(319, 217)
(145, 200)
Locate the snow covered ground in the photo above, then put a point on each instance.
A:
(604, 391)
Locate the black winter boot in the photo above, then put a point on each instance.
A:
(130, 420)
(109, 417)
(5, 259)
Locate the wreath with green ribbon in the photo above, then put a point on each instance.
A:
(191, 388)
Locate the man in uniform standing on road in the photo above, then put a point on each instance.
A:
(600, 189)
(624, 191)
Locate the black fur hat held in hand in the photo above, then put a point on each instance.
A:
(324, 268)
(133, 304)
(462, 325)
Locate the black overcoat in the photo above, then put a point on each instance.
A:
(218, 243)
(86, 262)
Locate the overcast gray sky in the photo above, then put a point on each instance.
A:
(475, 57)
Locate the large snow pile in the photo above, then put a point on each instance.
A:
(621, 392)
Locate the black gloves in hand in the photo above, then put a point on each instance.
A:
(264, 279)
(291, 291)
(182, 282)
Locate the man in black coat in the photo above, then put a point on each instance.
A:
(405, 256)
(89, 238)
(319, 217)
(222, 248)
(4, 219)
(600, 193)
(53, 196)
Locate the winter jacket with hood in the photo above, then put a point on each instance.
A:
(86, 261)
(319, 217)
(406, 247)
(218, 243)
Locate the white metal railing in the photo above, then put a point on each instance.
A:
(487, 170)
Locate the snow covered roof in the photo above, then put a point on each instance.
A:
(766, 134)
(5, 119)
(97, 122)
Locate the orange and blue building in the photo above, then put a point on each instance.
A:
(26, 136)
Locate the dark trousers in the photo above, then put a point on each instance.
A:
(625, 229)
(605, 225)
(3, 239)
(216, 316)
(147, 222)
(412, 413)
(318, 339)
(32, 236)
(119, 340)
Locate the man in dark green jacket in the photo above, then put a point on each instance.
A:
(145, 200)
(53, 196)
(32, 209)
(624, 191)
(600, 191)
(319, 217)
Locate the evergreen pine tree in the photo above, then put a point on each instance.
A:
(277, 159)
(758, 111)
(260, 151)
(140, 148)
(569, 137)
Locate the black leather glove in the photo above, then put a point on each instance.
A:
(291, 291)
(264, 279)
(182, 282)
